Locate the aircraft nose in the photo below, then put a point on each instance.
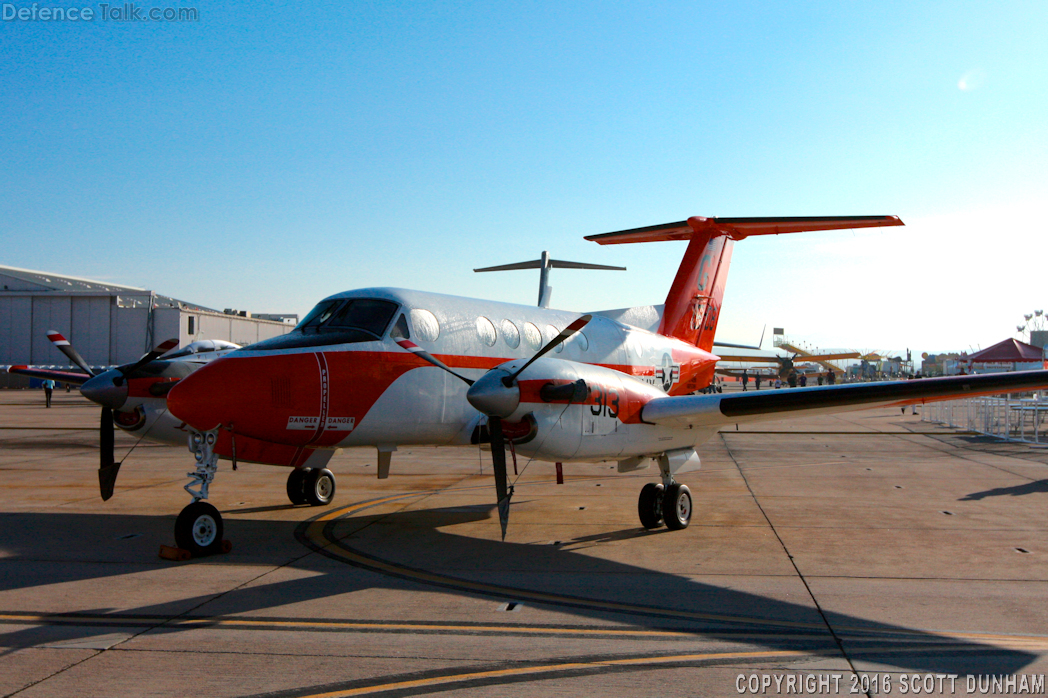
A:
(273, 398)
(198, 400)
(108, 389)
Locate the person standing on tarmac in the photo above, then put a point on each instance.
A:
(49, 387)
(745, 380)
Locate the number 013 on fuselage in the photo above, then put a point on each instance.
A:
(386, 367)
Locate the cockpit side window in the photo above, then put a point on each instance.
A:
(320, 314)
(400, 329)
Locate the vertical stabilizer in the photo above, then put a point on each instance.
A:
(694, 301)
(693, 304)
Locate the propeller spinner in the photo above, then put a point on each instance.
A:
(108, 389)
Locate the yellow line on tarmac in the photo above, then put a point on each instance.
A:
(315, 533)
(567, 666)
(49, 428)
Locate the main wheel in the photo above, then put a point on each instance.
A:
(296, 485)
(319, 487)
(198, 529)
(649, 505)
(676, 506)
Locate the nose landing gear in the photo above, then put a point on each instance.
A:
(198, 528)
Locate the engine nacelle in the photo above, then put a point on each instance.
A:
(598, 418)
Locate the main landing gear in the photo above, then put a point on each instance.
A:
(667, 502)
(313, 486)
(658, 504)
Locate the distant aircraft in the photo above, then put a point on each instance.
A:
(384, 367)
(783, 366)
(134, 398)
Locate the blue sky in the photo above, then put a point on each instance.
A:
(268, 155)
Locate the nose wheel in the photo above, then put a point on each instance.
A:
(198, 530)
(671, 505)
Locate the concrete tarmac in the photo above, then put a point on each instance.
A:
(868, 551)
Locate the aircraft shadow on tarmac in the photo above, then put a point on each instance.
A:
(388, 550)
(1016, 491)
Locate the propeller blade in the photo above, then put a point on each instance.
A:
(62, 344)
(107, 468)
(553, 344)
(498, 460)
(423, 354)
(157, 352)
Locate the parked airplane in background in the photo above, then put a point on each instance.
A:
(385, 367)
(134, 397)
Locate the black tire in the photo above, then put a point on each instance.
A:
(677, 506)
(319, 487)
(649, 505)
(198, 529)
(296, 485)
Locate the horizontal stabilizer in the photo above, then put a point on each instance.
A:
(738, 228)
(553, 264)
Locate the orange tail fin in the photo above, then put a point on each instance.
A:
(694, 302)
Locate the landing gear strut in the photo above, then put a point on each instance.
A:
(198, 529)
(313, 486)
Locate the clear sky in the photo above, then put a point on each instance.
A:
(269, 154)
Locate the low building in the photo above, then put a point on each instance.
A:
(109, 324)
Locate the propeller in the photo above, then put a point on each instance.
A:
(108, 467)
(497, 395)
(155, 353)
(108, 390)
(62, 344)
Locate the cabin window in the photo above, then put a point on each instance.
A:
(532, 336)
(551, 333)
(581, 341)
(510, 334)
(425, 323)
(486, 331)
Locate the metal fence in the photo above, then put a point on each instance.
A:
(1011, 417)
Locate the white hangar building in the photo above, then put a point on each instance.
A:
(107, 323)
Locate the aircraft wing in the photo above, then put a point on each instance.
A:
(74, 377)
(719, 409)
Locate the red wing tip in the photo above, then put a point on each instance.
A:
(12, 369)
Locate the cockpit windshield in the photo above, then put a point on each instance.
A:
(367, 315)
(319, 315)
(336, 321)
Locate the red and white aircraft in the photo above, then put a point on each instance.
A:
(384, 367)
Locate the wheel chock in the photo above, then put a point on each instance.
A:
(227, 546)
(177, 554)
